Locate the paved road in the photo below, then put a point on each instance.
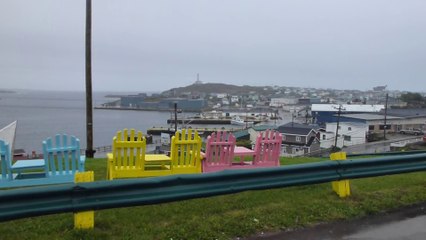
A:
(380, 146)
(407, 224)
(412, 228)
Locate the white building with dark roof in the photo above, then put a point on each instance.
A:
(349, 133)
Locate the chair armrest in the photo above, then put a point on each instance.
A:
(28, 164)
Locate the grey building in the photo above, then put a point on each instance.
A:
(396, 120)
(167, 104)
(133, 101)
(298, 139)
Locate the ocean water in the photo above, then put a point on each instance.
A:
(42, 114)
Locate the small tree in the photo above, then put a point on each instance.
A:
(413, 99)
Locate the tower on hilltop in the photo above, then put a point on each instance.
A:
(198, 82)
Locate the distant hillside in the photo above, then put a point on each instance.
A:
(218, 88)
(7, 91)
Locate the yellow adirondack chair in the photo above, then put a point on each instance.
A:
(185, 152)
(128, 158)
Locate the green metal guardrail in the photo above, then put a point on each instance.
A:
(386, 153)
(21, 203)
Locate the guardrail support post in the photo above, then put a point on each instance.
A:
(84, 220)
(342, 188)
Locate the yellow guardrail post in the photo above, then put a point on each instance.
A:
(342, 188)
(84, 220)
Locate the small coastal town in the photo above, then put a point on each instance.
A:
(311, 120)
(200, 97)
(308, 122)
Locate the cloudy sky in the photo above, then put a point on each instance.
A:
(154, 45)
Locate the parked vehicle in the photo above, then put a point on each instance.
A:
(412, 131)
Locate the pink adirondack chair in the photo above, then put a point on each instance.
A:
(219, 152)
(267, 149)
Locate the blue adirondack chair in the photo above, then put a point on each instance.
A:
(11, 171)
(61, 161)
(6, 173)
(62, 158)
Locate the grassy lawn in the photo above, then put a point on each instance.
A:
(230, 216)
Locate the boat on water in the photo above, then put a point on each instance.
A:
(236, 120)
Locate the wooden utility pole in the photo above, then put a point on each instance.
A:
(337, 125)
(386, 112)
(176, 120)
(89, 114)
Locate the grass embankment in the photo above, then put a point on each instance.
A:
(230, 216)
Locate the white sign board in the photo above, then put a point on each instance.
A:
(165, 139)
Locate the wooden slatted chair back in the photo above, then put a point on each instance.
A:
(185, 152)
(219, 151)
(6, 161)
(267, 148)
(62, 155)
(128, 149)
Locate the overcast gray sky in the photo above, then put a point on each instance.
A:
(154, 45)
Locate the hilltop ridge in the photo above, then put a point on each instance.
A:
(218, 88)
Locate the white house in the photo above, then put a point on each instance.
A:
(221, 95)
(235, 99)
(349, 133)
(279, 102)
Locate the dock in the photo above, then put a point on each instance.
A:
(201, 131)
(199, 121)
(226, 121)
